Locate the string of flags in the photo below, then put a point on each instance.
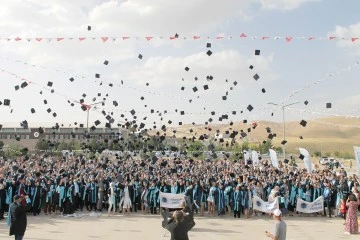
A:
(243, 36)
(328, 76)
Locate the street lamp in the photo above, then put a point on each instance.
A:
(283, 110)
(88, 107)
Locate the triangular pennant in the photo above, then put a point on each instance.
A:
(104, 39)
(124, 38)
(38, 39)
(331, 37)
(59, 39)
(264, 38)
(219, 37)
(149, 38)
(82, 39)
(243, 35)
(17, 39)
(311, 38)
(196, 37)
(354, 39)
(288, 39)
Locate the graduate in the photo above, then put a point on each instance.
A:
(219, 197)
(37, 195)
(92, 188)
(144, 198)
(153, 198)
(111, 192)
(49, 197)
(236, 198)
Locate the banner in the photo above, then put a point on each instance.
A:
(307, 160)
(169, 200)
(310, 207)
(266, 207)
(357, 158)
(246, 156)
(255, 157)
(274, 160)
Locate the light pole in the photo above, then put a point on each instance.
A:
(88, 107)
(283, 110)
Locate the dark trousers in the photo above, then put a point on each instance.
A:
(328, 205)
(18, 237)
(237, 214)
(153, 210)
(47, 207)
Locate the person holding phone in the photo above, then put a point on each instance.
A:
(280, 227)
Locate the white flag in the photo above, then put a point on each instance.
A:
(307, 160)
(255, 157)
(266, 207)
(357, 158)
(273, 157)
(310, 207)
(246, 156)
(170, 200)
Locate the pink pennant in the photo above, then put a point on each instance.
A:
(17, 39)
(196, 37)
(219, 37)
(172, 38)
(59, 39)
(264, 38)
(124, 38)
(104, 39)
(243, 35)
(311, 38)
(149, 38)
(354, 39)
(82, 39)
(38, 39)
(288, 39)
(331, 37)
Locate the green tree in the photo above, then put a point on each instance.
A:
(42, 145)
(327, 154)
(1, 144)
(317, 154)
(62, 146)
(337, 154)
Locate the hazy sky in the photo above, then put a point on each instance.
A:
(283, 67)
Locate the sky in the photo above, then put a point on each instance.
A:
(283, 67)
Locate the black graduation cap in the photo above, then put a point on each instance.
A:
(256, 77)
(224, 98)
(328, 105)
(132, 112)
(268, 130)
(306, 102)
(303, 123)
(250, 108)
(283, 142)
(142, 98)
(106, 62)
(244, 121)
(195, 89)
(263, 90)
(182, 112)
(107, 125)
(180, 123)
(32, 110)
(97, 122)
(1, 126)
(270, 136)
(301, 157)
(286, 161)
(83, 107)
(251, 67)
(6, 102)
(140, 56)
(301, 137)
(52, 90)
(235, 83)
(208, 45)
(233, 112)
(17, 87)
(24, 124)
(50, 84)
(257, 52)
(264, 142)
(182, 88)
(81, 125)
(84, 95)
(71, 79)
(187, 68)
(206, 87)
(97, 75)
(54, 114)
(89, 28)
(49, 110)
(23, 85)
(93, 128)
(111, 85)
(115, 103)
(209, 53)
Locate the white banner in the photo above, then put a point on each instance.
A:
(357, 158)
(170, 200)
(310, 207)
(255, 157)
(307, 160)
(274, 159)
(266, 207)
(246, 156)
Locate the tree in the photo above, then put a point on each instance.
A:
(1, 144)
(42, 145)
(62, 146)
(317, 154)
(327, 154)
(337, 154)
(264, 147)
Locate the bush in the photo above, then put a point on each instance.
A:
(317, 154)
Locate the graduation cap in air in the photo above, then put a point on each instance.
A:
(250, 108)
(257, 52)
(244, 121)
(328, 105)
(301, 137)
(71, 79)
(263, 90)
(89, 28)
(301, 157)
(23, 85)
(256, 77)
(49, 84)
(106, 62)
(209, 53)
(206, 87)
(306, 102)
(286, 161)
(270, 136)
(97, 75)
(115, 103)
(6, 102)
(54, 114)
(303, 123)
(32, 110)
(24, 124)
(251, 67)
(187, 69)
(224, 98)
(182, 88)
(17, 87)
(195, 89)
(283, 142)
(140, 56)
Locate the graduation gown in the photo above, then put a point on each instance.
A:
(219, 200)
(235, 201)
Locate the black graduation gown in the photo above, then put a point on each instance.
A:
(18, 218)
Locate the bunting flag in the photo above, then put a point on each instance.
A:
(305, 155)
(243, 36)
(357, 159)
(255, 157)
(274, 160)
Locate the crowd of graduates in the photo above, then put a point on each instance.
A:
(64, 185)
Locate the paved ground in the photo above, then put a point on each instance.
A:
(149, 227)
